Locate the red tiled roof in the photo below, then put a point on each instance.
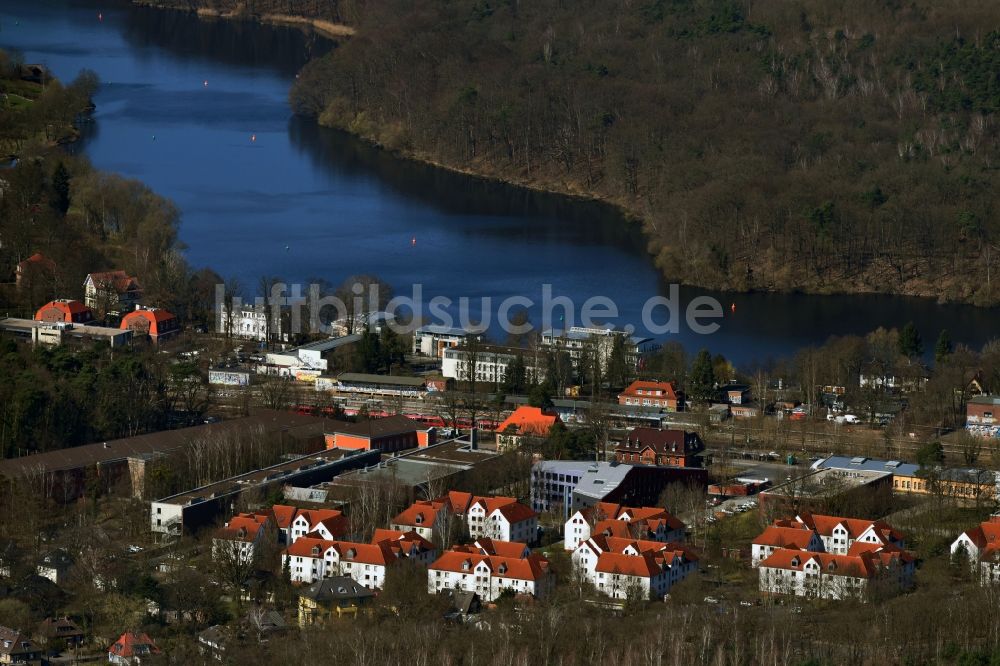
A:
(516, 512)
(155, 321)
(614, 528)
(885, 553)
(329, 518)
(785, 537)
(303, 547)
(644, 564)
(503, 548)
(527, 420)
(37, 260)
(131, 644)
(668, 388)
(423, 513)
(666, 441)
(858, 566)
(243, 527)
(68, 308)
(406, 539)
(457, 500)
(119, 281)
(528, 568)
(283, 515)
(365, 553)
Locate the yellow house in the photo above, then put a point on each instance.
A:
(958, 483)
(338, 597)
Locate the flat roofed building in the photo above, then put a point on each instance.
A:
(58, 333)
(489, 363)
(389, 434)
(433, 340)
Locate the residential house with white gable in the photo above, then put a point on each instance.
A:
(310, 559)
(836, 576)
(469, 569)
(981, 545)
(242, 537)
(428, 518)
(792, 535)
(648, 523)
(619, 567)
(319, 523)
(500, 518)
(407, 545)
(839, 534)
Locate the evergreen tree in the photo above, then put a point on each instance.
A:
(701, 383)
(943, 347)
(618, 372)
(911, 345)
(60, 189)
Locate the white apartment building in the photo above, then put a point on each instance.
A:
(433, 340)
(489, 575)
(503, 519)
(619, 567)
(488, 363)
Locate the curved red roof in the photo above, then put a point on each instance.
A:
(154, 321)
(64, 310)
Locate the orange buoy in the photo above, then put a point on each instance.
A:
(205, 83)
(413, 241)
(253, 138)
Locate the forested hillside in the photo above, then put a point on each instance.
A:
(766, 144)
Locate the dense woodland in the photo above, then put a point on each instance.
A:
(764, 144)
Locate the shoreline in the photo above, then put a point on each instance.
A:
(334, 31)
(322, 27)
(631, 218)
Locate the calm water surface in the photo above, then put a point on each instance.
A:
(302, 202)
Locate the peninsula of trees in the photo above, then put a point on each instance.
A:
(763, 144)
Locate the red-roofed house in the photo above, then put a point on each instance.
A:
(36, 267)
(526, 421)
(488, 546)
(131, 648)
(652, 446)
(157, 323)
(834, 576)
(620, 567)
(839, 533)
(610, 519)
(110, 291)
(242, 536)
(64, 311)
(502, 518)
(283, 515)
(489, 575)
(309, 559)
(981, 545)
(319, 523)
(428, 518)
(407, 545)
(652, 394)
(774, 537)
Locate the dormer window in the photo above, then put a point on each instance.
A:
(502, 569)
(795, 561)
(315, 550)
(832, 566)
(465, 565)
(351, 553)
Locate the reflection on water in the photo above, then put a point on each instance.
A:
(302, 201)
